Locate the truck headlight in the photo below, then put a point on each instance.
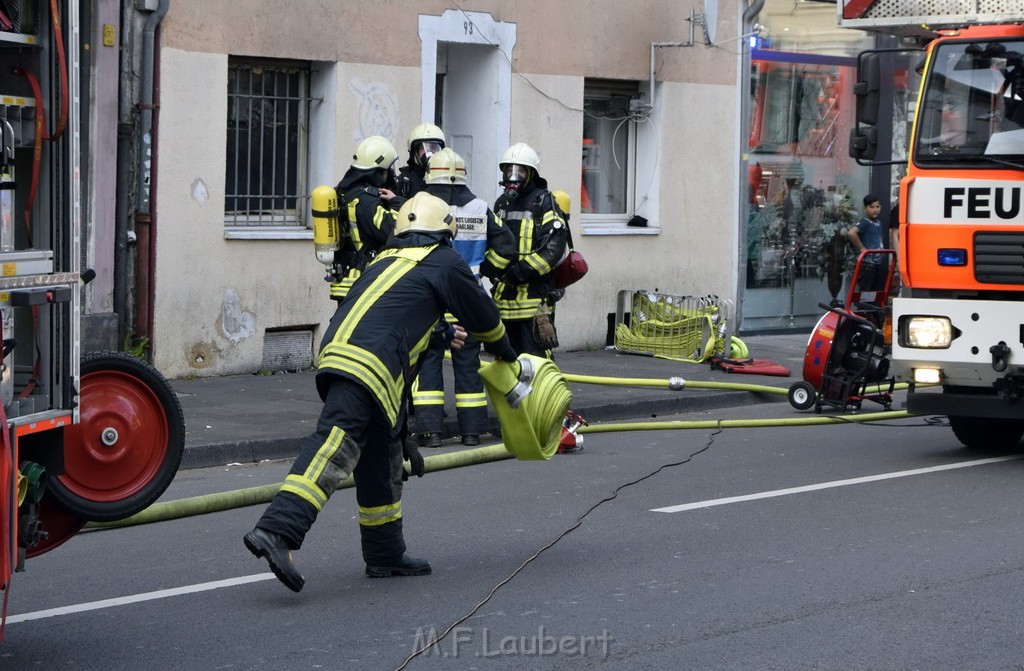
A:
(928, 332)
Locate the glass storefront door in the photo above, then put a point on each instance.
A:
(804, 189)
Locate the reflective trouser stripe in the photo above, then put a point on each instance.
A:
(378, 515)
(323, 456)
(306, 490)
(328, 467)
(428, 398)
(475, 400)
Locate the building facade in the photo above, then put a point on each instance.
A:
(258, 103)
(705, 153)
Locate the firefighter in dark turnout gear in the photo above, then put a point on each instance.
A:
(368, 205)
(480, 236)
(524, 290)
(425, 140)
(367, 358)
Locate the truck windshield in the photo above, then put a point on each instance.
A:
(973, 105)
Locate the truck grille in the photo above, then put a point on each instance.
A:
(999, 258)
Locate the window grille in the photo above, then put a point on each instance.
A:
(267, 145)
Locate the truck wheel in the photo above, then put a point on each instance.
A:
(979, 433)
(802, 395)
(127, 446)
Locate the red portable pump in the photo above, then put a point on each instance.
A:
(847, 357)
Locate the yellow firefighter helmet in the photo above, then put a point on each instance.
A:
(446, 167)
(374, 153)
(425, 213)
(425, 132)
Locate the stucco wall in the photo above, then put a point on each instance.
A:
(595, 38)
(214, 297)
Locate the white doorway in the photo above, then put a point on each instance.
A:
(467, 86)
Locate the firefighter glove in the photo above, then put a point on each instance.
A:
(412, 454)
(514, 275)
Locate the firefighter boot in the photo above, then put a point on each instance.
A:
(263, 543)
(404, 565)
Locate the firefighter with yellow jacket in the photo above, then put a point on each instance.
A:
(368, 206)
(367, 360)
(525, 290)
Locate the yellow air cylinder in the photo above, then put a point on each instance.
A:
(563, 201)
(326, 230)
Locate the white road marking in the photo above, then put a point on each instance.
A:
(710, 503)
(137, 598)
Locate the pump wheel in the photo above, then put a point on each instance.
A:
(983, 433)
(802, 395)
(126, 448)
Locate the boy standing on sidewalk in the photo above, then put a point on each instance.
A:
(867, 234)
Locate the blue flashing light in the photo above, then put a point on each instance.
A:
(758, 42)
(952, 257)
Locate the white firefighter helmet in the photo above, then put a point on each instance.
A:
(424, 132)
(520, 154)
(425, 213)
(446, 167)
(374, 153)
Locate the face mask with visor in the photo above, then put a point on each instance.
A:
(514, 178)
(426, 149)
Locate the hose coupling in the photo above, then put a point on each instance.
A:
(525, 384)
(676, 383)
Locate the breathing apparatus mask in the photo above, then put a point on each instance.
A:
(423, 150)
(383, 179)
(514, 179)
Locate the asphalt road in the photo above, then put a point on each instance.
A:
(849, 547)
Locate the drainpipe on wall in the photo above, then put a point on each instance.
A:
(145, 218)
(746, 27)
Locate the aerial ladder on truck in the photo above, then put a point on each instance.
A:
(83, 436)
(959, 321)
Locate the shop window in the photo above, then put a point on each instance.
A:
(266, 190)
(607, 185)
(804, 190)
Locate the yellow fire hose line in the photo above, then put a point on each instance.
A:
(743, 423)
(212, 503)
(678, 384)
(250, 496)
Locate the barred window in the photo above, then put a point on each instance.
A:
(267, 146)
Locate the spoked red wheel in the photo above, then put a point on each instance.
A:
(127, 446)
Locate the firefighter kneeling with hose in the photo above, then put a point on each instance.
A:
(382, 325)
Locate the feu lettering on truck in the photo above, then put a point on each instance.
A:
(965, 201)
(1002, 202)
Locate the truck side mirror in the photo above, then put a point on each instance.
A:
(863, 143)
(863, 135)
(869, 77)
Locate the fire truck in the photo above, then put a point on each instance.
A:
(959, 321)
(84, 437)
